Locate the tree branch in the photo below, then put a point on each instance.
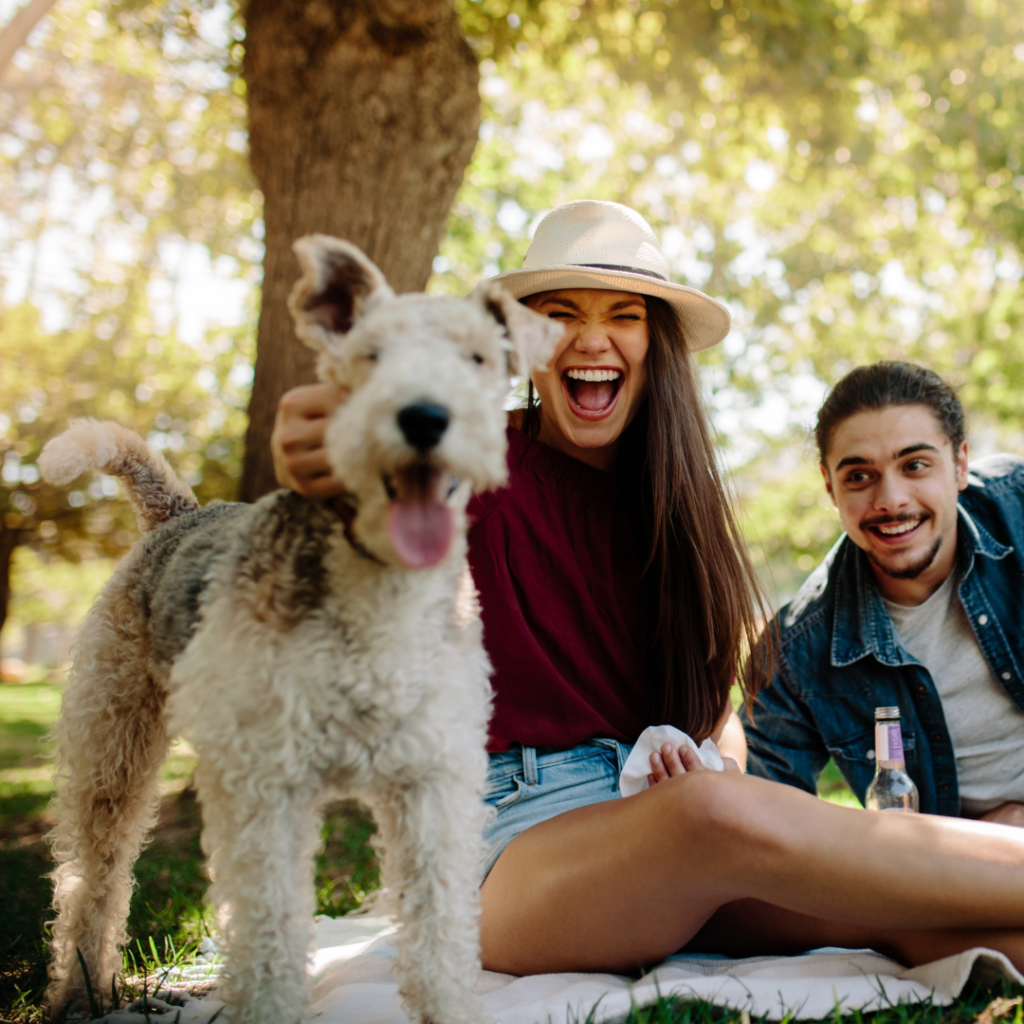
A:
(16, 31)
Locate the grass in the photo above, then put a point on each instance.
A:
(168, 917)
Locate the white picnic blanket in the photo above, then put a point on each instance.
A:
(354, 984)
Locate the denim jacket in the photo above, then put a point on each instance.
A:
(838, 657)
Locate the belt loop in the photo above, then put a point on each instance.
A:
(530, 766)
(622, 752)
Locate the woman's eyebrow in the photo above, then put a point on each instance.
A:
(560, 302)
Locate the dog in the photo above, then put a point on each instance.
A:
(309, 650)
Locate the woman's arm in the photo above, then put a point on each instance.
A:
(731, 740)
(297, 443)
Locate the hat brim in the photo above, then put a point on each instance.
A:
(704, 320)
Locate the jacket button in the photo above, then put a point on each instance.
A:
(938, 736)
(921, 687)
(1007, 676)
(982, 620)
(946, 786)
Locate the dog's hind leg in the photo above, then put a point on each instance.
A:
(431, 835)
(261, 835)
(110, 744)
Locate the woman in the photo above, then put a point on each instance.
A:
(615, 595)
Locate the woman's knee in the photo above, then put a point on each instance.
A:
(721, 810)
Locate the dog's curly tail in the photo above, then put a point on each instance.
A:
(155, 493)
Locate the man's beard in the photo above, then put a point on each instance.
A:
(911, 572)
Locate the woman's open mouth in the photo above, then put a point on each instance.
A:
(593, 392)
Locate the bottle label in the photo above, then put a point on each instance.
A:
(888, 741)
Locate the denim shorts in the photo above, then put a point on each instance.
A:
(526, 786)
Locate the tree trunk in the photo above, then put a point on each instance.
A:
(363, 115)
(8, 542)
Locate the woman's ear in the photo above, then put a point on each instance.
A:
(338, 282)
(532, 337)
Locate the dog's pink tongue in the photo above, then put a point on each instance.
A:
(420, 531)
(594, 395)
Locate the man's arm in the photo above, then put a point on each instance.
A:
(782, 740)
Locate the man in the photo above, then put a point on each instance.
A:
(920, 605)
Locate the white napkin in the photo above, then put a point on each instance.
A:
(638, 765)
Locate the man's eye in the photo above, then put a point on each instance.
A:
(915, 464)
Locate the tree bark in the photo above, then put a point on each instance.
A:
(363, 116)
(9, 540)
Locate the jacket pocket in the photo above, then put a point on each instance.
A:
(855, 758)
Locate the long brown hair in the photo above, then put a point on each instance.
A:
(702, 597)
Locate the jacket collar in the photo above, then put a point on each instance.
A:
(861, 624)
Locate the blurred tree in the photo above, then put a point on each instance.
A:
(844, 173)
(120, 163)
(188, 401)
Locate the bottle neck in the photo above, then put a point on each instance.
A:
(889, 745)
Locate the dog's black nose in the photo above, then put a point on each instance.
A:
(423, 424)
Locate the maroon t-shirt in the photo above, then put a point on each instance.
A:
(557, 566)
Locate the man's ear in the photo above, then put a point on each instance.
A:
(962, 469)
(828, 481)
(338, 282)
(532, 337)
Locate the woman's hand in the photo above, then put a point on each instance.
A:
(671, 761)
(297, 443)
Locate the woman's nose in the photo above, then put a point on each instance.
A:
(592, 338)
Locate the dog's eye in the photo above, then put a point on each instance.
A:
(477, 358)
(370, 356)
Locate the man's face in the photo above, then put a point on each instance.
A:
(895, 478)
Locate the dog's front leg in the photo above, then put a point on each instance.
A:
(261, 836)
(431, 834)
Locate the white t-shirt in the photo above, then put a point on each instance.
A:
(986, 727)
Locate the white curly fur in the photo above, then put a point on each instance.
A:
(155, 492)
(303, 662)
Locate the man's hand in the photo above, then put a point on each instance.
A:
(1010, 813)
(297, 443)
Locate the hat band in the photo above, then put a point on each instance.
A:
(625, 270)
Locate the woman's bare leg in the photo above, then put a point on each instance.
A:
(625, 883)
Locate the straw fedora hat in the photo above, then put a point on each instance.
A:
(593, 244)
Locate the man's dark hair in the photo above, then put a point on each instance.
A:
(889, 383)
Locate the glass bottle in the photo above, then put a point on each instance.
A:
(892, 789)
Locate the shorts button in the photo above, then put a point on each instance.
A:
(1007, 676)
(982, 620)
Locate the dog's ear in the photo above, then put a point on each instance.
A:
(532, 337)
(338, 282)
